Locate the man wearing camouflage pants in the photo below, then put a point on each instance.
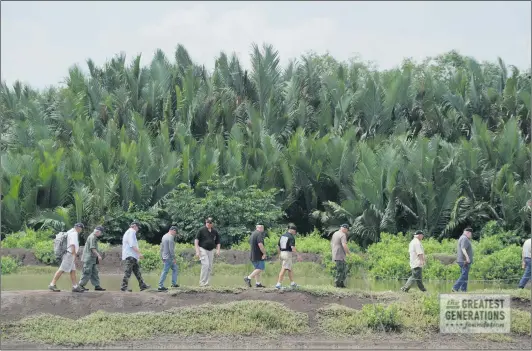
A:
(91, 258)
(339, 252)
(131, 255)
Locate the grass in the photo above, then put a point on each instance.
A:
(236, 318)
(416, 314)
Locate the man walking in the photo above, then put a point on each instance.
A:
(464, 259)
(168, 257)
(131, 255)
(68, 261)
(91, 259)
(206, 240)
(525, 264)
(417, 261)
(339, 252)
(285, 247)
(258, 255)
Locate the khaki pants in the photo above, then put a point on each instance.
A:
(206, 258)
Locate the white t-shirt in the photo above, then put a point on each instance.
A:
(72, 239)
(128, 242)
(526, 248)
(415, 248)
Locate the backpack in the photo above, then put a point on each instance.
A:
(60, 245)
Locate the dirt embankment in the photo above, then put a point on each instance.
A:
(112, 259)
(16, 305)
(19, 304)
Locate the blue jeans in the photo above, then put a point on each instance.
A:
(526, 275)
(167, 265)
(461, 283)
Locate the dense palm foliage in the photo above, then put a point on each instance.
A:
(438, 145)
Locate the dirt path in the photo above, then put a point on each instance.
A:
(387, 341)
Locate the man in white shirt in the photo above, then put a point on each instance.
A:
(526, 254)
(417, 261)
(68, 262)
(131, 254)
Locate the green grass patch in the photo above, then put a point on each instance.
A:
(236, 318)
(415, 314)
(520, 322)
(8, 265)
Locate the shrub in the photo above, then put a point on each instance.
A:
(503, 264)
(151, 257)
(44, 252)
(153, 224)
(379, 317)
(8, 265)
(235, 211)
(26, 239)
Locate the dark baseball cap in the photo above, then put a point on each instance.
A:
(292, 226)
(418, 232)
(80, 225)
(173, 228)
(468, 229)
(100, 228)
(346, 226)
(134, 223)
(209, 220)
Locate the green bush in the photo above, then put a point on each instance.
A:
(26, 239)
(503, 264)
(8, 265)
(44, 252)
(235, 211)
(381, 317)
(153, 224)
(152, 258)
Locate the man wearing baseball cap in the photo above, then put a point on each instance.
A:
(131, 254)
(285, 247)
(339, 252)
(417, 261)
(168, 257)
(91, 259)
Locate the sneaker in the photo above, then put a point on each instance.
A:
(83, 288)
(128, 290)
(404, 290)
(145, 287)
(175, 285)
(99, 288)
(162, 288)
(278, 286)
(248, 281)
(78, 289)
(53, 288)
(293, 285)
(452, 290)
(259, 285)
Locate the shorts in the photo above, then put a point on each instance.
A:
(259, 265)
(67, 263)
(286, 260)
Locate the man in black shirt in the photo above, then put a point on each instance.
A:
(206, 240)
(285, 247)
(258, 255)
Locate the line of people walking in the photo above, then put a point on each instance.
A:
(207, 244)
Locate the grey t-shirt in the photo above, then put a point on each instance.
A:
(168, 247)
(464, 243)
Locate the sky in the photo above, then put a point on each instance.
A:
(40, 41)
